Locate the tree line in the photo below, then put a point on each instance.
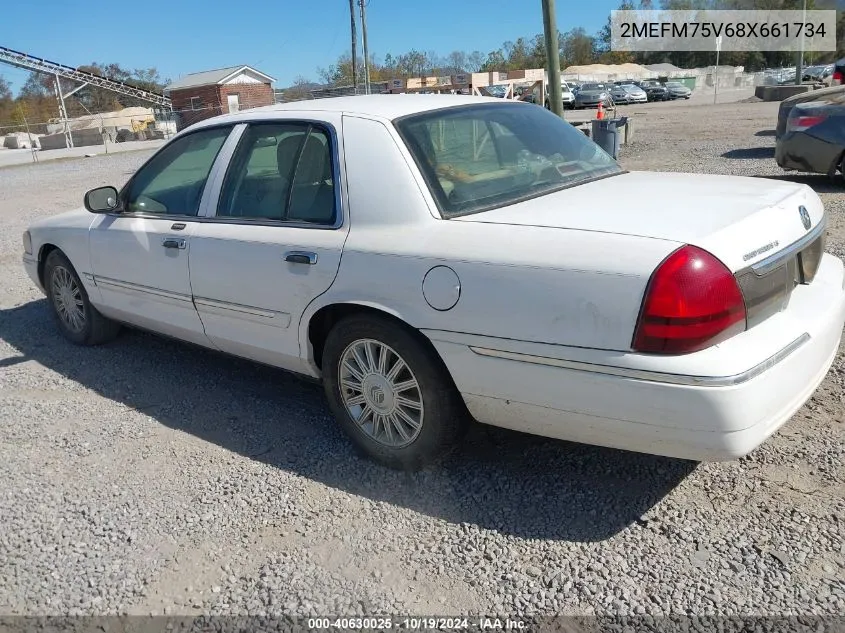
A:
(577, 47)
(36, 100)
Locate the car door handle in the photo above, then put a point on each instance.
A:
(173, 242)
(301, 257)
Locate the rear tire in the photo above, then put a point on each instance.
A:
(391, 394)
(78, 320)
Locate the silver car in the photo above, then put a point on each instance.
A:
(678, 90)
(628, 93)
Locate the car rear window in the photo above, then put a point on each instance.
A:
(479, 157)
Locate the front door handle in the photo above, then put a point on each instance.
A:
(301, 257)
(173, 242)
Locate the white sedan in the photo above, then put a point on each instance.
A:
(434, 259)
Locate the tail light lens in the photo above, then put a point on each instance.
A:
(800, 123)
(837, 78)
(692, 301)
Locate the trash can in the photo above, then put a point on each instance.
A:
(606, 134)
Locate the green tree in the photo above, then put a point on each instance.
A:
(577, 48)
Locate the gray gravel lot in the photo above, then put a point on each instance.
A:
(147, 476)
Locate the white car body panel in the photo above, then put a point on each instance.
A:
(140, 281)
(717, 419)
(69, 232)
(259, 319)
(545, 299)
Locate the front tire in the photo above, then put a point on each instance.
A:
(78, 320)
(391, 393)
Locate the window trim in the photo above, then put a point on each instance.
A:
(334, 153)
(122, 195)
(193, 107)
(432, 188)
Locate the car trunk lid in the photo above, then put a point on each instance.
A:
(740, 220)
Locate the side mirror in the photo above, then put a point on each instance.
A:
(101, 200)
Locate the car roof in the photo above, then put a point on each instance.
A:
(386, 106)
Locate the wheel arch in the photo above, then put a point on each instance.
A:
(43, 254)
(318, 325)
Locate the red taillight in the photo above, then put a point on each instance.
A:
(800, 123)
(837, 78)
(692, 301)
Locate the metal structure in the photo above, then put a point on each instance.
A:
(552, 57)
(354, 45)
(366, 49)
(60, 71)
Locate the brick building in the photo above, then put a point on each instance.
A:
(206, 94)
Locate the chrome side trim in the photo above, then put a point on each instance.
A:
(765, 266)
(225, 308)
(651, 376)
(138, 289)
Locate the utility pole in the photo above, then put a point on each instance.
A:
(799, 67)
(366, 50)
(716, 70)
(354, 46)
(552, 57)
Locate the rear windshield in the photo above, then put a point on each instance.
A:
(479, 157)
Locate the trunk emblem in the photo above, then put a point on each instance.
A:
(760, 251)
(805, 217)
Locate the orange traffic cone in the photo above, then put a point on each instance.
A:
(600, 113)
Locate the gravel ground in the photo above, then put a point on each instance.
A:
(151, 477)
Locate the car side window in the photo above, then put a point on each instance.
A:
(280, 172)
(173, 181)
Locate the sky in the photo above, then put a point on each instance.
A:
(282, 38)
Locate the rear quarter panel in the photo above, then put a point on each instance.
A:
(546, 285)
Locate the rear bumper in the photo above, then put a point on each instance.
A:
(802, 152)
(720, 414)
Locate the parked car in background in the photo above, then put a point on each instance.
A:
(526, 94)
(566, 96)
(811, 73)
(619, 94)
(497, 91)
(822, 73)
(838, 76)
(814, 137)
(655, 91)
(268, 235)
(628, 93)
(677, 90)
(591, 94)
(833, 92)
(787, 77)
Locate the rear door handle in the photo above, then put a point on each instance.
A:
(301, 257)
(173, 242)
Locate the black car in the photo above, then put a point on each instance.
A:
(814, 137)
(805, 97)
(656, 91)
